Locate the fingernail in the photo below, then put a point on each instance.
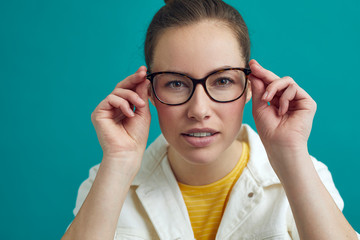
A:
(266, 94)
(280, 110)
(256, 62)
(257, 66)
(141, 101)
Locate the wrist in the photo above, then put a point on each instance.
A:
(122, 164)
(286, 153)
(287, 163)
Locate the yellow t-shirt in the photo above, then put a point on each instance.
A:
(206, 204)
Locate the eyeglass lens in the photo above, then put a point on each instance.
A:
(172, 88)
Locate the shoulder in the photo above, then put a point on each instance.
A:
(85, 188)
(258, 164)
(328, 182)
(151, 159)
(261, 170)
(153, 155)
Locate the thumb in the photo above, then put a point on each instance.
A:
(142, 90)
(258, 90)
(141, 68)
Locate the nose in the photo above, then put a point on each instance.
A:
(199, 104)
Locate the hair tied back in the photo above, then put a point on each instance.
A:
(179, 13)
(167, 1)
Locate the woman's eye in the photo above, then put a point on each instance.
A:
(175, 84)
(223, 82)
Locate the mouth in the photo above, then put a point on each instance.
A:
(200, 137)
(199, 134)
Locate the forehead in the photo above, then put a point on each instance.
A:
(197, 49)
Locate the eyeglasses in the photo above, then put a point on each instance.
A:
(225, 85)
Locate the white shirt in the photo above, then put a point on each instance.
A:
(257, 208)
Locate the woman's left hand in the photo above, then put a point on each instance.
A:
(283, 112)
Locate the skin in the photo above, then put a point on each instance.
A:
(284, 127)
(194, 165)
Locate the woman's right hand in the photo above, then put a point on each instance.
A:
(122, 132)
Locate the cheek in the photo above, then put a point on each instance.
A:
(231, 118)
(233, 112)
(167, 116)
(230, 115)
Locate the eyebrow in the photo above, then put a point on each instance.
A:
(190, 75)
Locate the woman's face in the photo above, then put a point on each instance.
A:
(197, 50)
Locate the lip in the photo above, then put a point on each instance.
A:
(200, 141)
(200, 130)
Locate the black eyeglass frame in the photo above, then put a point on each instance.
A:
(201, 81)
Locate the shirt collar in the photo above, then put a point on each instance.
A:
(258, 164)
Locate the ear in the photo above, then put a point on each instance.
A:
(151, 95)
(248, 92)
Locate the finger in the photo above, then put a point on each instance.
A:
(142, 68)
(120, 103)
(285, 99)
(257, 89)
(275, 102)
(130, 95)
(142, 91)
(276, 89)
(133, 80)
(122, 99)
(258, 71)
(277, 86)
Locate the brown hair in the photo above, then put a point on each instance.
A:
(178, 13)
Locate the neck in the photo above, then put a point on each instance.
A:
(194, 174)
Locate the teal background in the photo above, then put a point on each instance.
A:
(59, 59)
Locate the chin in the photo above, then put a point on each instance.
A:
(199, 156)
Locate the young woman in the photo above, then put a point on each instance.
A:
(208, 176)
